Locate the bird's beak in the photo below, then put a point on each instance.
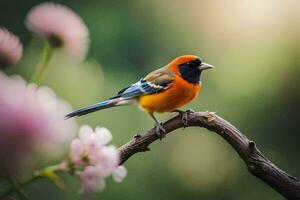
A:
(205, 66)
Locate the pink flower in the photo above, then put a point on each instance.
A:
(61, 27)
(92, 182)
(94, 141)
(99, 160)
(11, 49)
(107, 158)
(31, 120)
(90, 144)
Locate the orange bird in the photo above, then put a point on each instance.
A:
(163, 90)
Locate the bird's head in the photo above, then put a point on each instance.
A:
(189, 67)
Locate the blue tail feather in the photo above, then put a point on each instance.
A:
(92, 108)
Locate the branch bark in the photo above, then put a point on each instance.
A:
(257, 164)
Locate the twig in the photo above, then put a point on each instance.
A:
(257, 164)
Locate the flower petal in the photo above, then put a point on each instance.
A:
(119, 174)
(103, 135)
(91, 181)
(107, 158)
(77, 150)
(85, 133)
(11, 49)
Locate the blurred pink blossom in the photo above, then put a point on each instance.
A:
(31, 121)
(11, 49)
(61, 27)
(99, 160)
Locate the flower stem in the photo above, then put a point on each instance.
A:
(15, 187)
(47, 172)
(42, 65)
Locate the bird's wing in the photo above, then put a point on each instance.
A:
(155, 82)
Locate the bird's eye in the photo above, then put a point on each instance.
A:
(188, 63)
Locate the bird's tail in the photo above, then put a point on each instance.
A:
(99, 106)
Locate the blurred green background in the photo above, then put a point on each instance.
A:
(255, 47)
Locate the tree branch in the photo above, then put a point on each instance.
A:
(257, 164)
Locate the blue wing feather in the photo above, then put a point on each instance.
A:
(155, 82)
(140, 88)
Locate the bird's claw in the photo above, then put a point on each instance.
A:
(160, 131)
(184, 115)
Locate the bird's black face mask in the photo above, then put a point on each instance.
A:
(190, 71)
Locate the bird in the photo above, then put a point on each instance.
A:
(164, 90)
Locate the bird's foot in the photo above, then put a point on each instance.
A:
(184, 115)
(160, 131)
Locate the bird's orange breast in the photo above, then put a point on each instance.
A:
(178, 94)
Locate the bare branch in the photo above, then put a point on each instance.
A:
(257, 164)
